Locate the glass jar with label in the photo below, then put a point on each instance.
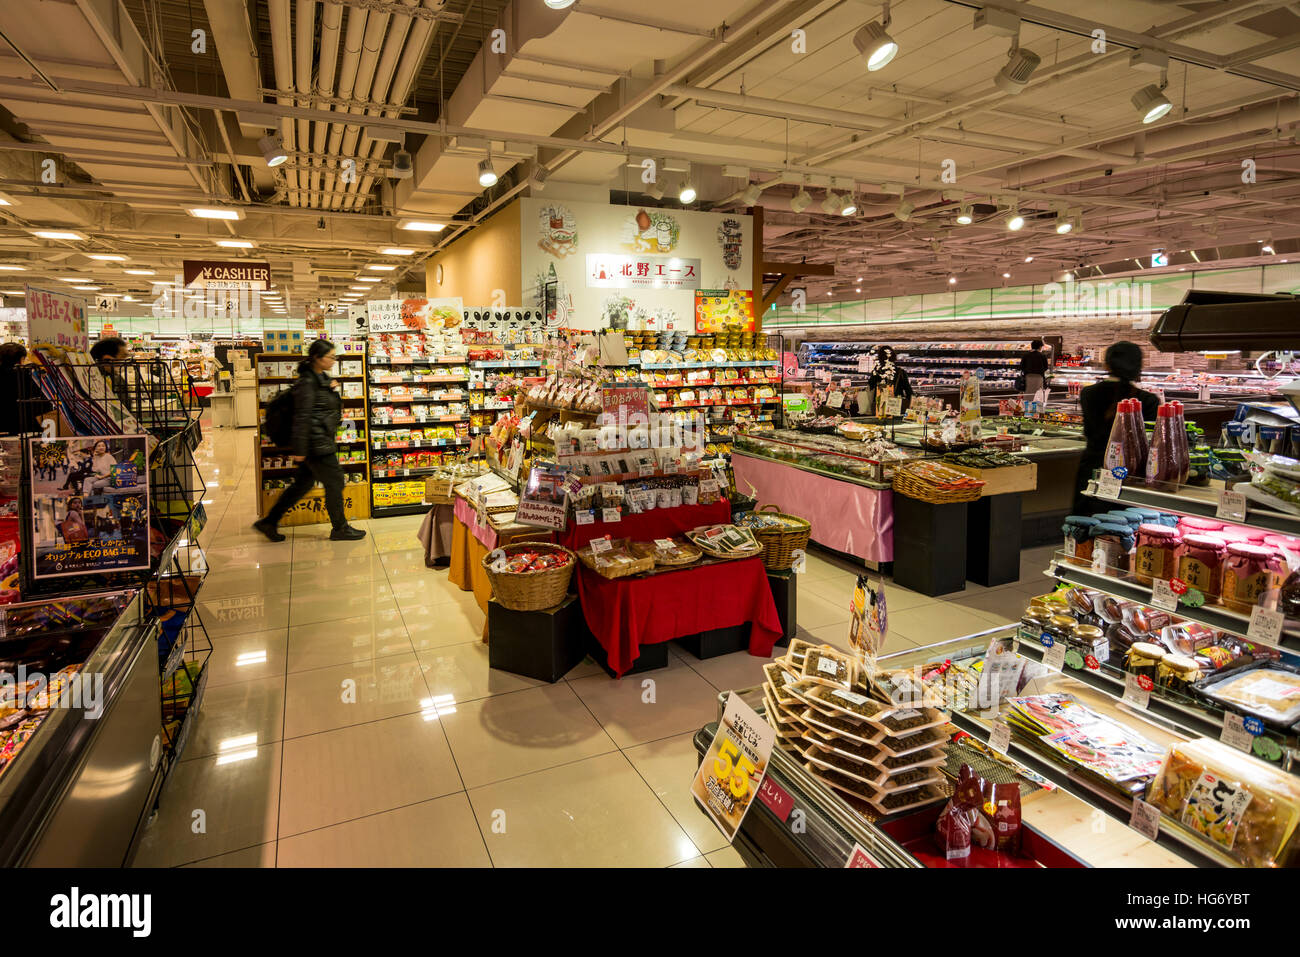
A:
(1248, 574)
(1200, 564)
(1156, 557)
(1060, 627)
(1195, 525)
(1143, 659)
(1111, 547)
(1078, 539)
(1178, 672)
(1088, 640)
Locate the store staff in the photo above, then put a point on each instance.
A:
(1034, 366)
(1098, 402)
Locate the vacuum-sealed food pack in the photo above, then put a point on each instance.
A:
(827, 666)
(1266, 689)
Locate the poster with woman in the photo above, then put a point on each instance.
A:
(90, 505)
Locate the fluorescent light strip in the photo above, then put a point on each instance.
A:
(215, 212)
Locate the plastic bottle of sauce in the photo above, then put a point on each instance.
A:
(1183, 453)
(1122, 448)
(1162, 461)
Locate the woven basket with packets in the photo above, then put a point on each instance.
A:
(935, 483)
(672, 553)
(529, 576)
(617, 561)
(726, 541)
(781, 535)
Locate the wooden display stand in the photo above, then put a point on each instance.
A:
(311, 509)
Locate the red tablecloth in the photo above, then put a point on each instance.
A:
(625, 613)
(647, 526)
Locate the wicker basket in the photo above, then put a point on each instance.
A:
(907, 483)
(702, 544)
(780, 542)
(530, 591)
(615, 570)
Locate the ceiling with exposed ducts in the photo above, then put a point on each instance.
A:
(118, 116)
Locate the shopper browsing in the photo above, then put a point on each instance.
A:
(1033, 368)
(109, 355)
(317, 411)
(1098, 403)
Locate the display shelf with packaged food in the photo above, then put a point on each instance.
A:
(932, 367)
(274, 466)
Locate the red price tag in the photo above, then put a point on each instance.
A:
(1091, 663)
(1178, 586)
(1145, 683)
(776, 798)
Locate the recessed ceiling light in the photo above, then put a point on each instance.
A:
(369, 279)
(360, 288)
(13, 268)
(108, 257)
(559, 4)
(1006, 275)
(396, 251)
(215, 212)
(69, 234)
(421, 225)
(236, 243)
(138, 272)
(1029, 259)
(86, 288)
(380, 267)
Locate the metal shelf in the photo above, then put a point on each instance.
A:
(1201, 503)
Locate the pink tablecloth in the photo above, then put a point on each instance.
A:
(846, 517)
(486, 534)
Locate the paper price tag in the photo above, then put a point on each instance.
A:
(894, 407)
(670, 467)
(600, 545)
(1054, 657)
(1000, 739)
(645, 469)
(1162, 595)
(1232, 506)
(664, 544)
(1036, 432)
(864, 363)
(611, 515)
(1137, 690)
(585, 516)
(1145, 819)
(1235, 733)
(835, 400)
(1265, 625)
(1108, 486)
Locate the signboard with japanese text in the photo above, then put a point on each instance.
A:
(56, 319)
(235, 274)
(724, 310)
(612, 271)
(620, 403)
(732, 771)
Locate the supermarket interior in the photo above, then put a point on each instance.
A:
(545, 433)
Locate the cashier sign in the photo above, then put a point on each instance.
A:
(732, 771)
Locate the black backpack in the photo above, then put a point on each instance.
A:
(279, 420)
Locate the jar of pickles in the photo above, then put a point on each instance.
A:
(1156, 557)
(1143, 659)
(1111, 545)
(1200, 564)
(1178, 672)
(1078, 540)
(1247, 577)
(1088, 640)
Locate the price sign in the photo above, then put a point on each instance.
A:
(858, 857)
(611, 515)
(646, 469)
(1054, 657)
(664, 544)
(864, 362)
(1265, 625)
(1137, 690)
(1092, 662)
(670, 467)
(1108, 486)
(733, 769)
(1232, 506)
(894, 406)
(601, 545)
(1162, 595)
(1000, 739)
(845, 383)
(1145, 819)
(1235, 733)
(835, 400)
(585, 516)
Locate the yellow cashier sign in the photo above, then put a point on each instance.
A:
(729, 777)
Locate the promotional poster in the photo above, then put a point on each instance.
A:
(90, 504)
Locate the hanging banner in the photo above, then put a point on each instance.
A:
(724, 310)
(90, 505)
(56, 319)
(236, 274)
(414, 315)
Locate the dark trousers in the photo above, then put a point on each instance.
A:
(315, 468)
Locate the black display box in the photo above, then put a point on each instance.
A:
(651, 658)
(537, 644)
(929, 546)
(717, 641)
(993, 540)
(783, 585)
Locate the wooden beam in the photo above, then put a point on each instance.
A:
(771, 295)
(756, 267)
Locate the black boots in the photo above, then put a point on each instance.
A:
(347, 534)
(267, 528)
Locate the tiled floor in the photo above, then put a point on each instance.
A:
(351, 718)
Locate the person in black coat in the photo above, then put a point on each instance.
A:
(1033, 368)
(1098, 402)
(317, 412)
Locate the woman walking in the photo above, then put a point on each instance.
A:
(317, 411)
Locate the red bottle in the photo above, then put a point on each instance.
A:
(1181, 452)
(1162, 462)
(1123, 448)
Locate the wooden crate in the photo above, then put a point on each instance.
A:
(437, 491)
(999, 481)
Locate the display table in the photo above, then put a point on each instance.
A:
(647, 526)
(470, 542)
(625, 613)
(845, 515)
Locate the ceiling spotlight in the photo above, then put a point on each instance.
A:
(559, 4)
(272, 147)
(1006, 275)
(1015, 220)
(1068, 277)
(847, 206)
(1151, 103)
(904, 211)
(1267, 248)
(1020, 66)
(538, 177)
(831, 203)
(687, 194)
(486, 175)
(1029, 259)
(875, 45)
(800, 201)
(952, 280)
(751, 193)
(654, 190)
(403, 165)
(1063, 224)
(965, 215)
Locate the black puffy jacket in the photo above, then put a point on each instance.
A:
(317, 411)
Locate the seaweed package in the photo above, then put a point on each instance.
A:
(825, 665)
